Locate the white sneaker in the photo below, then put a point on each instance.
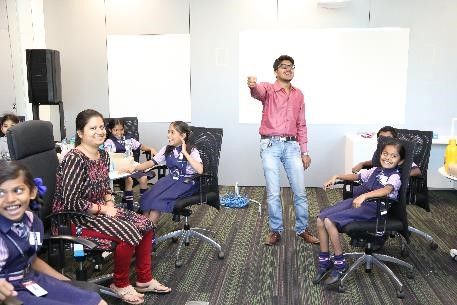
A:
(453, 253)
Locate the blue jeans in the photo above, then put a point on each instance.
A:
(274, 152)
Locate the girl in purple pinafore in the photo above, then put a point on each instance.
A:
(377, 182)
(183, 164)
(21, 237)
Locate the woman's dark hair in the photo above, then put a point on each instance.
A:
(278, 61)
(390, 129)
(8, 117)
(10, 170)
(111, 124)
(180, 127)
(81, 121)
(398, 145)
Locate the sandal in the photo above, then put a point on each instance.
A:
(128, 294)
(154, 286)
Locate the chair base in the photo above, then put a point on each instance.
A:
(433, 244)
(378, 260)
(184, 236)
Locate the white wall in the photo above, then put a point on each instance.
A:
(77, 28)
(7, 96)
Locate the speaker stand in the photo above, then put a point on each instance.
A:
(36, 116)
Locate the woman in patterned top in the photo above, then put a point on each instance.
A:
(83, 186)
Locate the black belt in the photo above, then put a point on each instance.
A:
(280, 138)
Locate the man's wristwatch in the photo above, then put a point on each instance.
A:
(305, 153)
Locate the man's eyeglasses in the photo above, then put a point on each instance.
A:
(285, 67)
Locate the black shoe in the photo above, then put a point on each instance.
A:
(335, 276)
(321, 273)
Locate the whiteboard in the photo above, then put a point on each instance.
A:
(149, 77)
(348, 76)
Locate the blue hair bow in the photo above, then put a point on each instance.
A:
(39, 185)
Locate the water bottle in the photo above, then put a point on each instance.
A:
(72, 142)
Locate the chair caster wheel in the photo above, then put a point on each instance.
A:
(433, 245)
(221, 255)
(404, 253)
(400, 294)
(175, 239)
(341, 289)
(178, 264)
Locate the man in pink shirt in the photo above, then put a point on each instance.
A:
(283, 140)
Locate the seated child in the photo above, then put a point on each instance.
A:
(21, 236)
(7, 121)
(116, 142)
(377, 182)
(183, 162)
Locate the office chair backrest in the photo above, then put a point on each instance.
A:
(398, 211)
(423, 144)
(208, 141)
(32, 144)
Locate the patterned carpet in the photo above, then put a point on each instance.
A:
(252, 273)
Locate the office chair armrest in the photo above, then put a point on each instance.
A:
(348, 187)
(148, 155)
(73, 239)
(68, 213)
(382, 207)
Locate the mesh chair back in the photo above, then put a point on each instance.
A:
(418, 191)
(130, 131)
(32, 144)
(208, 141)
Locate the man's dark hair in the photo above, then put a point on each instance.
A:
(280, 59)
(390, 129)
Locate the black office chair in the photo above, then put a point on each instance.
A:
(32, 144)
(208, 141)
(391, 219)
(418, 191)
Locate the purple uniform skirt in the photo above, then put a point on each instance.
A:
(59, 292)
(343, 212)
(162, 196)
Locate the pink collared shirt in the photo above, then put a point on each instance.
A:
(282, 114)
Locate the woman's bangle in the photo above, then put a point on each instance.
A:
(99, 209)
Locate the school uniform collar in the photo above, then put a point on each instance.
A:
(6, 224)
(277, 87)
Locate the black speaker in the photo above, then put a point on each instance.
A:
(43, 76)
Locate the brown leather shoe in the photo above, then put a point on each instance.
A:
(272, 238)
(308, 237)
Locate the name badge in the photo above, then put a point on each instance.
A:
(34, 239)
(34, 288)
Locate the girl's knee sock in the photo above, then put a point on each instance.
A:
(129, 199)
(340, 262)
(324, 260)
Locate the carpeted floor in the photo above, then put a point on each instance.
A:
(253, 273)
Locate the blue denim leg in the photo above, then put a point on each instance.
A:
(293, 165)
(271, 153)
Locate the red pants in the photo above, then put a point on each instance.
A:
(123, 254)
